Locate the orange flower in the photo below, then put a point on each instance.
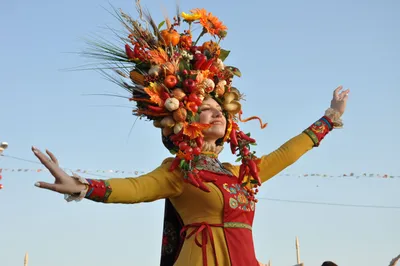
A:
(195, 129)
(210, 23)
(154, 91)
(158, 57)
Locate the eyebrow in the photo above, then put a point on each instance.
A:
(217, 106)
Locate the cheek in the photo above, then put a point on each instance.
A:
(204, 118)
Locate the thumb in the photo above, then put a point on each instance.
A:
(52, 187)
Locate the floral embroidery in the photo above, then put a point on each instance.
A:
(99, 190)
(239, 197)
(212, 165)
(242, 199)
(319, 130)
(233, 203)
(170, 239)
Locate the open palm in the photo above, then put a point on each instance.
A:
(63, 183)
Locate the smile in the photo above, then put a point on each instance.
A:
(217, 123)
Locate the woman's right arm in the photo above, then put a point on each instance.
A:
(160, 183)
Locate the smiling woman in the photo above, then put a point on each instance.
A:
(211, 113)
(186, 90)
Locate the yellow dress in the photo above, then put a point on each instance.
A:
(195, 205)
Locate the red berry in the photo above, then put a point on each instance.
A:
(189, 150)
(183, 146)
(196, 151)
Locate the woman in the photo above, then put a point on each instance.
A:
(186, 90)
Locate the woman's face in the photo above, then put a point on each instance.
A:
(211, 113)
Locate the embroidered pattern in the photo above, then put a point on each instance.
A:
(170, 239)
(239, 197)
(319, 130)
(99, 190)
(237, 225)
(212, 165)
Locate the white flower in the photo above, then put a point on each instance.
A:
(220, 64)
(186, 55)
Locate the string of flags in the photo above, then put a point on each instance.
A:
(131, 173)
(39, 170)
(137, 172)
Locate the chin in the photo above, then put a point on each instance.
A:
(214, 134)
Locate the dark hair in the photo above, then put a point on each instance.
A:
(329, 263)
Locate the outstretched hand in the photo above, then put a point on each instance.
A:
(63, 183)
(339, 99)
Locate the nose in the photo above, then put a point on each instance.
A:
(217, 113)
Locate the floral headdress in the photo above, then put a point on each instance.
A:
(168, 75)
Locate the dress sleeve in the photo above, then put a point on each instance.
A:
(158, 184)
(284, 156)
(292, 150)
(273, 163)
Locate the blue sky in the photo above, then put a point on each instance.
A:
(292, 54)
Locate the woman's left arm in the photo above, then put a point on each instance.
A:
(292, 150)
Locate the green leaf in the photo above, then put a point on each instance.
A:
(161, 24)
(234, 70)
(195, 118)
(224, 54)
(183, 64)
(253, 181)
(238, 159)
(182, 163)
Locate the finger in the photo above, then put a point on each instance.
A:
(52, 157)
(53, 168)
(42, 157)
(343, 94)
(345, 97)
(48, 186)
(336, 91)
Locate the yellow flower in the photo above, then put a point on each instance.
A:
(210, 23)
(190, 17)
